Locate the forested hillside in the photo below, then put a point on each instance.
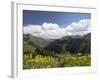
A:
(68, 51)
(71, 44)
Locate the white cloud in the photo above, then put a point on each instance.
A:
(80, 28)
(54, 31)
(49, 26)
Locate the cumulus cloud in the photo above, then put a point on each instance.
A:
(54, 31)
(80, 28)
(50, 26)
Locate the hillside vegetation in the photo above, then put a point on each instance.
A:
(69, 51)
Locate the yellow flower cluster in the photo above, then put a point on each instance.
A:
(40, 61)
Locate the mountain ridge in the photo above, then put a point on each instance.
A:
(72, 44)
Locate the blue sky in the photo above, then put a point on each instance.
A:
(31, 17)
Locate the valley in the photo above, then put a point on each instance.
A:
(68, 51)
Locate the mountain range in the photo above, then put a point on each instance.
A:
(72, 44)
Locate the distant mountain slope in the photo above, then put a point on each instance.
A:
(35, 41)
(72, 44)
(85, 46)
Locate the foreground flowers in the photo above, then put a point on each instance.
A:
(40, 61)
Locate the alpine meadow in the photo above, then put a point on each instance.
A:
(56, 39)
